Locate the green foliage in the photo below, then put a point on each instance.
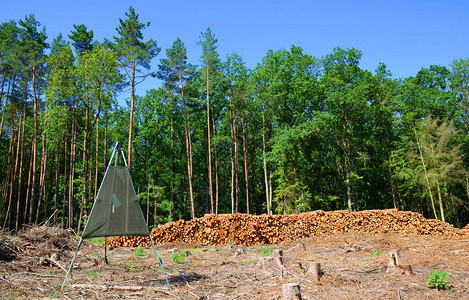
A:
(266, 251)
(178, 257)
(375, 253)
(247, 261)
(139, 251)
(91, 274)
(438, 280)
(295, 134)
(97, 240)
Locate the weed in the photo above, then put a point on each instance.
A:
(193, 250)
(139, 251)
(132, 263)
(92, 273)
(52, 294)
(133, 269)
(375, 253)
(247, 261)
(97, 240)
(438, 280)
(266, 251)
(178, 257)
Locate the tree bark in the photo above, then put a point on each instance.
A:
(42, 174)
(440, 200)
(72, 176)
(188, 146)
(246, 174)
(34, 150)
(20, 176)
(266, 178)
(131, 121)
(236, 159)
(426, 174)
(210, 188)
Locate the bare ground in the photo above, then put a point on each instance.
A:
(354, 267)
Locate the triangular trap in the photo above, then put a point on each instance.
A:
(116, 210)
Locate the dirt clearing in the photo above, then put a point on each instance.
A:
(354, 266)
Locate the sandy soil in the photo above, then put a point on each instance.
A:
(354, 266)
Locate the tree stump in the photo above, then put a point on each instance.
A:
(314, 271)
(274, 260)
(291, 291)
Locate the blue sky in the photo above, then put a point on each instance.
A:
(404, 34)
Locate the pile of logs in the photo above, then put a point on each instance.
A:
(465, 230)
(248, 230)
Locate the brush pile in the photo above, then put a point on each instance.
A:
(248, 230)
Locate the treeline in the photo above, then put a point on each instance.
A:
(294, 134)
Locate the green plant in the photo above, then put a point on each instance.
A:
(97, 240)
(132, 263)
(92, 273)
(438, 280)
(178, 257)
(266, 251)
(193, 250)
(247, 261)
(52, 294)
(139, 251)
(375, 253)
(133, 269)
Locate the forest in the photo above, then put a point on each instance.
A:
(296, 133)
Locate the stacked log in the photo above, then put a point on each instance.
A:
(465, 230)
(248, 230)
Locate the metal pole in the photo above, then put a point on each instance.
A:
(159, 260)
(71, 263)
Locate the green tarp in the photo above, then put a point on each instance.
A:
(116, 210)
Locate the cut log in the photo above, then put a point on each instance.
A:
(249, 230)
(291, 291)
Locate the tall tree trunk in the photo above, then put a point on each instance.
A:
(215, 210)
(245, 153)
(64, 200)
(85, 168)
(34, 158)
(106, 123)
(348, 182)
(12, 175)
(440, 200)
(9, 165)
(20, 176)
(56, 192)
(70, 220)
(236, 159)
(28, 190)
(96, 160)
(426, 174)
(210, 189)
(266, 178)
(131, 121)
(171, 196)
(42, 174)
(188, 146)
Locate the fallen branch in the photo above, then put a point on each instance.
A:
(108, 287)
